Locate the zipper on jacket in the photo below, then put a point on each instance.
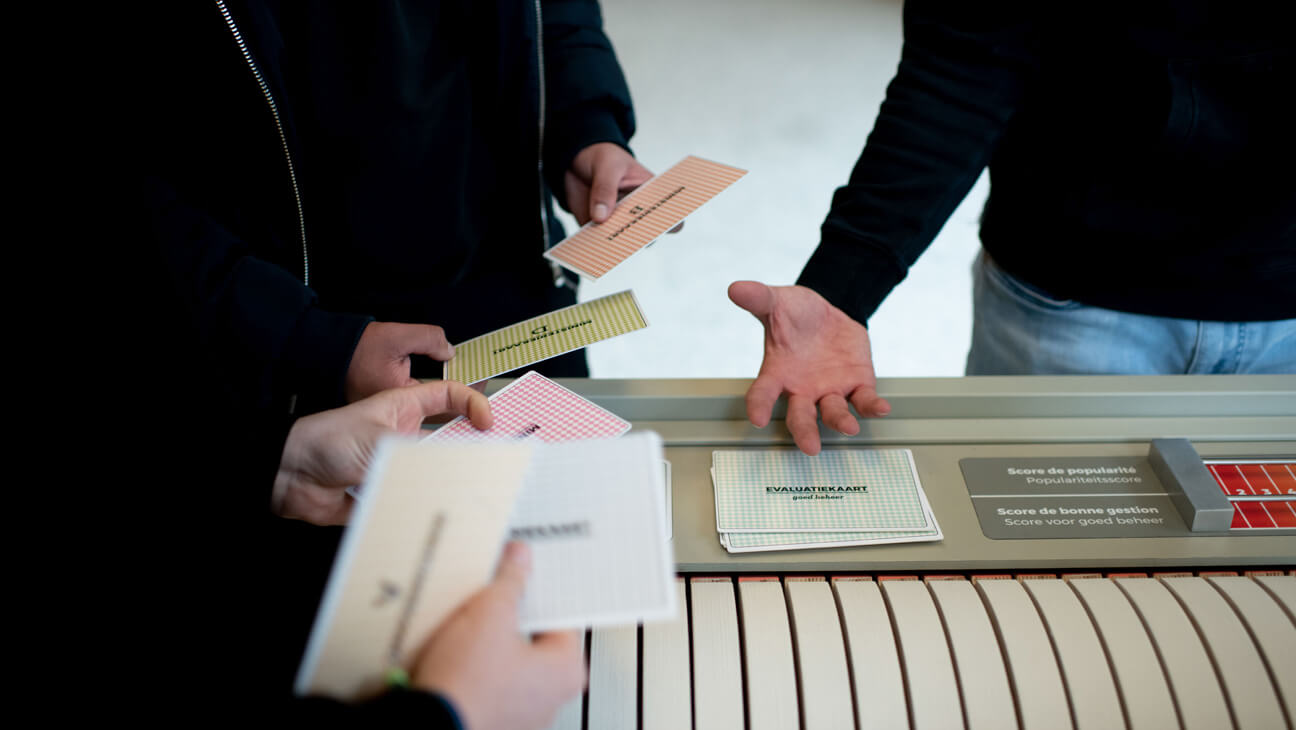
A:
(559, 277)
(283, 138)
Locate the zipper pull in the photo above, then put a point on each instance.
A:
(560, 277)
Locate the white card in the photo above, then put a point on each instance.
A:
(593, 514)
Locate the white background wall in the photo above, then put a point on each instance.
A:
(787, 89)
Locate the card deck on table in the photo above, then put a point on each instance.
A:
(780, 491)
(534, 406)
(540, 338)
(746, 542)
(645, 214)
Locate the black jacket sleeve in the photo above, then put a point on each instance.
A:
(259, 324)
(224, 225)
(586, 98)
(962, 72)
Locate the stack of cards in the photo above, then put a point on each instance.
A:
(430, 529)
(786, 500)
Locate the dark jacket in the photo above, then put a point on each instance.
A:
(1140, 156)
(317, 165)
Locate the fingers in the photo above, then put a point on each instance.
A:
(511, 575)
(426, 339)
(868, 403)
(754, 297)
(447, 396)
(836, 414)
(565, 656)
(608, 171)
(802, 421)
(761, 396)
(478, 409)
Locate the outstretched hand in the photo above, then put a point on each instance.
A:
(330, 451)
(816, 354)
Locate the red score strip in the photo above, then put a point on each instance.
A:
(1255, 481)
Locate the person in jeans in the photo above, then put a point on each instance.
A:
(1141, 216)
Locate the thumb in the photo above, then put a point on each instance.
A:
(424, 339)
(755, 297)
(608, 171)
(514, 566)
(446, 396)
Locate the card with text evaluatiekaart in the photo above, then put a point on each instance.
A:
(534, 406)
(839, 490)
(644, 215)
(540, 338)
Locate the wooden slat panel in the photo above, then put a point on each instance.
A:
(821, 655)
(1041, 698)
(983, 678)
(1095, 704)
(1282, 588)
(717, 665)
(1145, 695)
(874, 658)
(925, 655)
(1273, 632)
(569, 715)
(667, 674)
(614, 678)
(1251, 694)
(771, 688)
(1192, 679)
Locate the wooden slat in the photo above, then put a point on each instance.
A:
(1145, 695)
(874, 659)
(1273, 632)
(1095, 704)
(717, 665)
(569, 715)
(771, 687)
(821, 655)
(1283, 589)
(614, 678)
(667, 673)
(1250, 692)
(982, 676)
(925, 655)
(1032, 666)
(1193, 684)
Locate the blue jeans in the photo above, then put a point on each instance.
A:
(1019, 330)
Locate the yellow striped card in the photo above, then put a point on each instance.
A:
(645, 214)
(540, 338)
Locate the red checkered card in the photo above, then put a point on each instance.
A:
(535, 406)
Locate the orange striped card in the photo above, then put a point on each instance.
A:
(642, 216)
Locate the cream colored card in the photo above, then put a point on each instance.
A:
(642, 216)
(540, 338)
(426, 536)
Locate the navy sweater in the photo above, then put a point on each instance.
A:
(1140, 156)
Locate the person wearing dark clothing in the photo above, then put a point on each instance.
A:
(319, 173)
(1141, 216)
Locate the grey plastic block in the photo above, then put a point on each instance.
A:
(1193, 490)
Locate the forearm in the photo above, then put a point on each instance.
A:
(586, 97)
(962, 73)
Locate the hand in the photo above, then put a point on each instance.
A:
(382, 357)
(599, 176)
(330, 451)
(814, 353)
(493, 675)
